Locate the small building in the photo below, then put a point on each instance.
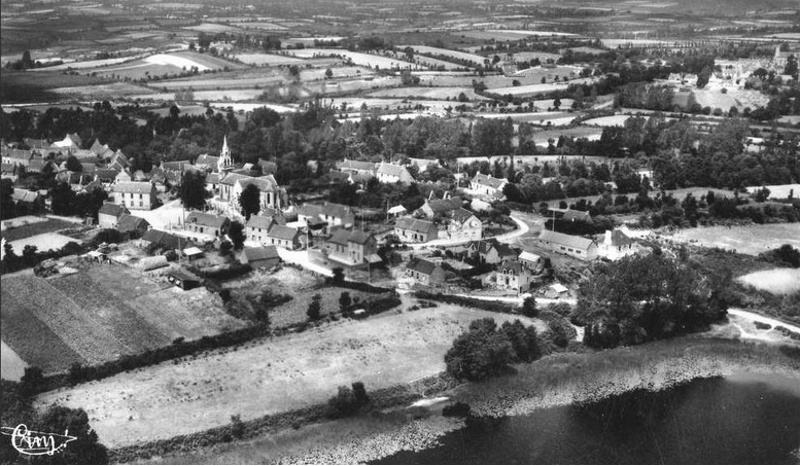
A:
(390, 173)
(426, 272)
(162, 240)
(531, 261)
(512, 275)
(28, 201)
(414, 230)
(490, 251)
(352, 247)
(109, 214)
(206, 224)
(355, 166)
(575, 246)
(333, 215)
(461, 224)
(433, 207)
(207, 162)
(576, 216)
(132, 224)
(193, 253)
(257, 228)
(139, 195)
(184, 279)
(615, 245)
(16, 156)
(488, 185)
(285, 237)
(265, 257)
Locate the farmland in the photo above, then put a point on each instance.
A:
(267, 59)
(268, 376)
(100, 314)
(25, 227)
(361, 59)
(750, 239)
(776, 281)
(12, 367)
(435, 51)
(43, 242)
(434, 93)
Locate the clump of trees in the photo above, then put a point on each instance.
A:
(486, 350)
(640, 299)
(784, 255)
(348, 401)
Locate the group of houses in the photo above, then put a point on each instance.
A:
(444, 218)
(359, 172)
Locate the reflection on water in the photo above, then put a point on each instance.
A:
(746, 419)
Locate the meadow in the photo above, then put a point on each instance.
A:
(746, 239)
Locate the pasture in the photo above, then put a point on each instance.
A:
(779, 191)
(12, 367)
(267, 59)
(776, 281)
(100, 314)
(103, 91)
(749, 239)
(29, 225)
(435, 51)
(432, 93)
(356, 58)
(43, 242)
(268, 376)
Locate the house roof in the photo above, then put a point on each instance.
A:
(329, 209)
(18, 154)
(164, 239)
(529, 256)
(283, 232)
(414, 224)
(619, 238)
(136, 187)
(398, 209)
(344, 237)
(571, 241)
(37, 164)
(175, 166)
(461, 215)
(444, 205)
(511, 266)
(261, 253)
(184, 275)
(576, 216)
(339, 237)
(129, 222)
(37, 143)
(490, 181)
(206, 159)
(355, 165)
(113, 209)
(23, 195)
(421, 266)
(504, 250)
(202, 218)
(263, 183)
(106, 173)
(389, 169)
(261, 221)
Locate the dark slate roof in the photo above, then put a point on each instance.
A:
(577, 216)
(261, 253)
(136, 187)
(113, 209)
(444, 205)
(422, 266)
(619, 238)
(339, 237)
(510, 266)
(165, 239)
(129, 222)
(259, 221)
(414, 224)
(283, 233)
(461, 215)
(202, 218)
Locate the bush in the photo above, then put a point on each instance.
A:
(457, 409)
(762, 325)
(314, 308)
(493, 306)
(480, 353)
(228, 272)
(529, 307)
(348, 401)
(560, 330)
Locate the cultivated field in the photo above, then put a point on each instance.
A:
(613, 120)
(268, 59)
(100, 314)
(777, 281)
(43, 242)
(268, 376)
(103, 91)
(431, 93)
(533, 89)
(361, 59)
(425, 50)
(12, 367)
(751, 239)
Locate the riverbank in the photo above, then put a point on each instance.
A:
(558, 379)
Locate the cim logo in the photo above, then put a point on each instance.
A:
(33, 443)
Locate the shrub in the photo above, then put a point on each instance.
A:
(529, 307)
(348, 401)
(314, 308)
(762, 325)
(480, 353)
(457, 409)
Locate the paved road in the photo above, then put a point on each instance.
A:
(522, 228)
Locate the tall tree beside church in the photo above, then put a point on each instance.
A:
(193, 189)
(250, 201)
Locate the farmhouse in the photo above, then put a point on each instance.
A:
(132, 224)
(333, 215)
(439, 207)
(615, 245)
(134, 194)
(461, 224)
(285, 237)
(265, 257)
(16, 156)
(109, 214)
(163, 240)
(575, 246)
(490, 251)
(352, 247)
(206, 224)
(487, 185)
(257, 228)
(512, 275)
(390, 173)
(413, 230)
(426, 272)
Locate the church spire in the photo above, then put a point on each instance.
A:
(225, 161)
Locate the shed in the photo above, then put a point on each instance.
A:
(260, 257)
(183, 279)
(193, 253)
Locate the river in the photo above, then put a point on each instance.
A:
(742, 419)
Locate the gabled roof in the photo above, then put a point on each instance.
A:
(490, 181)
(339, 237)
(355, 165)
(444, 205)
(113, 209)
(106, 174)
(164, 239)
(414, 224)
(461, 215)
(18, 154)
(343, 237)
(261, 253)
(175, 166)
(576, 216)
(529, 256)
(263, 183)
(510, 266)
(282, 232)
(206, 159)
(422, 266)
(23, 195)
(38, 144)
(619, 238)
(136, 187)
(202, 218)
(329, 209)
(571, 241)
(393, 170)
(129, 222)
(260, 221)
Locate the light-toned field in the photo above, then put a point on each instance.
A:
(212, 28)
(426, 50)
(315, 74)
(776, 281)
(213, 83)
(779, 191)
(592, 134)
(262, 59)
(104, 91)
(229, 94)
(542, 56)
(433, 93)
(43, 242)
(264, 26)
(268, 376)
(533, 89)
(613, 120)
(751, 239)
(102, 313)
(433, 63)
(361, 59)
(505, 35)
(86, 64)
(12, 367)
(350, 85)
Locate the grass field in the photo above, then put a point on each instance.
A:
(268, 376)
(25, 227)
(361, 59)
(426, 50)
(269, 59)
(103, 91)
(776, 281)
(43, 242)
(779, 191)
(12, 367)
(100, 314)
(750, 239)
(431, 93)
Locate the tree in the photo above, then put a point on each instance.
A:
(250, 200)
(529, 307)
(236, 234)
(73, 164)
(480, 353)
(193, 189)
(791, 66)
(703, 77)
(314, 308)
(31, 382)
(85, 449)
(556, 103)
(63, 199)
(328, 73)
(344, 303)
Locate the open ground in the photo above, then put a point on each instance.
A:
(269, 375)
(749, 239)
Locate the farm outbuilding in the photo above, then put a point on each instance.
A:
(260, 257)
(184, 279)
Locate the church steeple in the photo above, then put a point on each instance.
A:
(225, 161)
